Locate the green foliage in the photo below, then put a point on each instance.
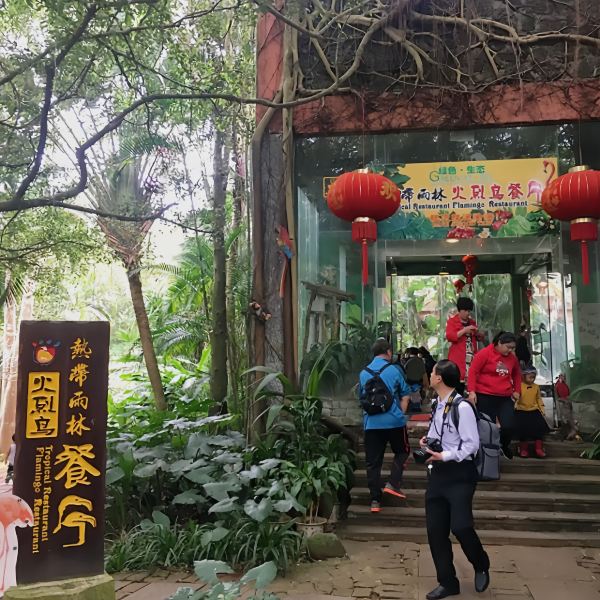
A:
(160, 542)
(314, 463)
(209, 570)
(195, 492)
(335, 364)
(593, 453)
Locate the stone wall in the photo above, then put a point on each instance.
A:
(344, 409)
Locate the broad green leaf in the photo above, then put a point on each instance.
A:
(114, 474)
(224, 506)
(214, 535)
(219, 490)
(207, 570)
(148, 470)
(270, 463)
(263, 575)
(259, 512)
(283, 506)
(255, 472)
(182, 593)
(160, 518)
(189, 497)
(201, 476)
(273, 414)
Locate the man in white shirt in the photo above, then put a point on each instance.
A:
(451, 484)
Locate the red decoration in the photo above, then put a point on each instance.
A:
(575, 197)
(363, 198)
(529, 292)
(459, 284)
(470, 263)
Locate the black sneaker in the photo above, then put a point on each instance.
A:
(375, 506)
(507, 452)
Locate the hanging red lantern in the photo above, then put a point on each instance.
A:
(575, 197)
(459, 284)
(363, 198)
(470, 263)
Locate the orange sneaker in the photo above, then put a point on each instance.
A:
(394, 491)
(375, 506)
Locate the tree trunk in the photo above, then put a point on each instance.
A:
(218, 338)
(141, 317)
(235, 335)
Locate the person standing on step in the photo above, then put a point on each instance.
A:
(494, 384)
(530, 422)
(463, 335)
(451, 484)
(386, 427)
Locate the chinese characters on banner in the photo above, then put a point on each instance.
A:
(61, 448)
(475, 197)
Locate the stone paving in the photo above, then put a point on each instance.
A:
(404, 571)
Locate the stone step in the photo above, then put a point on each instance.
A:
(550, 465)
(518, 482)
(403, 516)
(490, 537)
(555, 449)
(517, 501)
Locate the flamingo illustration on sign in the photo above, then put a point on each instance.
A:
(14, 512)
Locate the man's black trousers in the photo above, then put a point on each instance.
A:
(449, 507)
(376, 441)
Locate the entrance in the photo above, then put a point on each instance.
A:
(516, 288)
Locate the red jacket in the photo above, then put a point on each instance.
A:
(494, 374)
(458, 348)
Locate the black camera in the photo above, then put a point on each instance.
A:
(421, 455)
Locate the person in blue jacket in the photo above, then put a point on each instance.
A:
(388, 427)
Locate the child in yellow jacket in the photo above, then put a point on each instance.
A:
(530, 422)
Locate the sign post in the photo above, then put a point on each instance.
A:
(60, 461)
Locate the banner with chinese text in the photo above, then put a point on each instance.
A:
(61, 448)
(488, 198)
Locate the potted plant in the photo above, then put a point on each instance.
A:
(309, 482)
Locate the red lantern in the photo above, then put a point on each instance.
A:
(470, 263)
(363, 198)
(575, 197)
(459, 284)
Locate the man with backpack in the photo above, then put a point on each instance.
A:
(453, 445)
(384, 397)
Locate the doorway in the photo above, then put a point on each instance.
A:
(518, 287)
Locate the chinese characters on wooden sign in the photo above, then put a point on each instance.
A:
(61, 448)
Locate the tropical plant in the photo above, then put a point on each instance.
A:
(315, 464)
(130, 183)
(209, 571)
(593, 453)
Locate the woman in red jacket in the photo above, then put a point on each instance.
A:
(462, 333)
(495, 384)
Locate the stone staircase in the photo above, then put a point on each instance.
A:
(551, 502)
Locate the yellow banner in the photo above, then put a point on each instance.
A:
(473, 193)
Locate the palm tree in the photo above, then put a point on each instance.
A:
(130, 185)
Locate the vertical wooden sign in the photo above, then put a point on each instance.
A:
(60, 461)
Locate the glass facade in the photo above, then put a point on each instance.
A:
(529, 281)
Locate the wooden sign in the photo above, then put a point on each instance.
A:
(60, 461)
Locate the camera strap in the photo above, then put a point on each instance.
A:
(447, 409)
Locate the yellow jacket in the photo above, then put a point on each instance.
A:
(531, 398)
